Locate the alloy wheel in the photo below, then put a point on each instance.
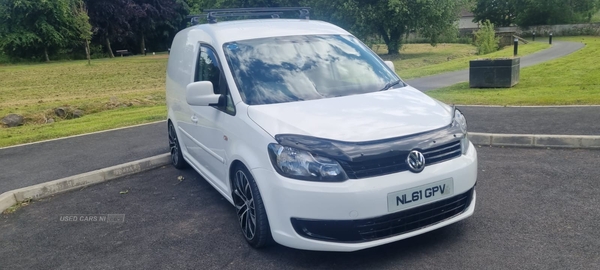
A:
(244, 203)
(173, 145)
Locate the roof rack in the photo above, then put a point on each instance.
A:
(275, 12)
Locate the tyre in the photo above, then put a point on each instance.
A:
(176, 155)
(250, 209)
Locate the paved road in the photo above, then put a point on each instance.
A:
(38, 163)
(42, 162)
(537, 209)
(524, 120)
(558, 49)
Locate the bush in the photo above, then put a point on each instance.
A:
(486, 40)
(4, 59)
(97, 51)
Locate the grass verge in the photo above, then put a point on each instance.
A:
(110, 119)
(571, 80)
(111, 93)
(420, 60)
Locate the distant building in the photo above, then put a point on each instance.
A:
(466, 26)
(466, 21)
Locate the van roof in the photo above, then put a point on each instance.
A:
(228, 31)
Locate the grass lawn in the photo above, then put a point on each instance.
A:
(111, 92)
(571, 80)
(420, 60)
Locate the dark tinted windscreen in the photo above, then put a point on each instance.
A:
(285, 69)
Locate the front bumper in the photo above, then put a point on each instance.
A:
(370, 229)
(287, 201)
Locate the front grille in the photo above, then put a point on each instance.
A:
(397, 163)
(442, 153)
(363, 230)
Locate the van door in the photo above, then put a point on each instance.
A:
(205, 131)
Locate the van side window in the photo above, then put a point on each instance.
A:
(208, 69)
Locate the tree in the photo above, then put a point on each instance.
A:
(196, 6)
(439, 18)
(110, 20)
(156, 17)
(30, 28)
(499, 12)
(535, 12)
(389, 19)
(548, 12)
(82, 27)
(392, 19)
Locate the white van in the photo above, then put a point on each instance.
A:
(315, 140)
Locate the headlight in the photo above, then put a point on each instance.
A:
(299, 164)
(461, 122)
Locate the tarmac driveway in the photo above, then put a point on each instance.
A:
(536, 209)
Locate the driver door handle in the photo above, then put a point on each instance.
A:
(194, 119)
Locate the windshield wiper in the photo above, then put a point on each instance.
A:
(390, 85)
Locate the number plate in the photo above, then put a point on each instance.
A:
(409, 198)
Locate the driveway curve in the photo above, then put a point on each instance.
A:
(558, 49)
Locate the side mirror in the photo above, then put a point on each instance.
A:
(390, 64)
(202, 94)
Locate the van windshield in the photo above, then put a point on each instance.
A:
(297, 68)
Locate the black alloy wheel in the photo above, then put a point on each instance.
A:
(250, 209)
(176, 155)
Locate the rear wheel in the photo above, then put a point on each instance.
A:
(250, 209)
(176, 155)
